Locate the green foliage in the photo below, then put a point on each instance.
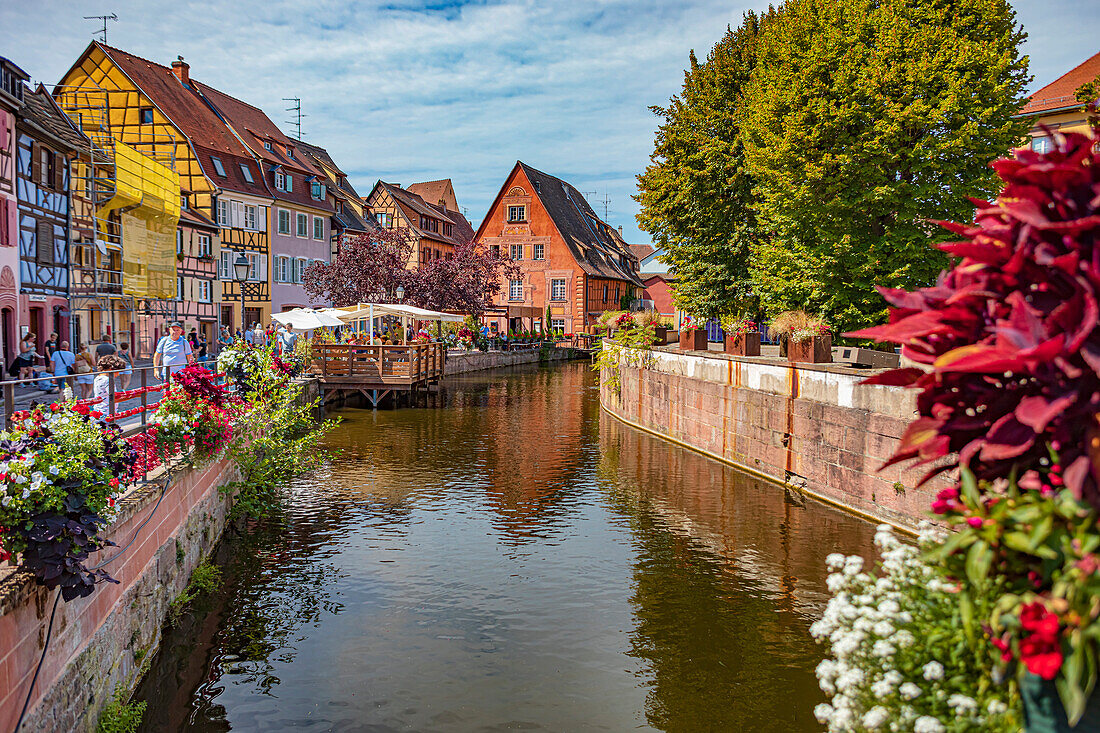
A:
(867, 119)
(277, 439)
(631, 346)
(696, 196)
(120, 716)
(205, 579)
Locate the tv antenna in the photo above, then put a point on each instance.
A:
(297, 109)
(606, 203)
(103, 18)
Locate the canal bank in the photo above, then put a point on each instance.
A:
(512, 559)
(812, 428)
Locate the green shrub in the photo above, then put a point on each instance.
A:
(119, 715)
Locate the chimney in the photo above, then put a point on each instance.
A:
(180, 69)
(620, 230)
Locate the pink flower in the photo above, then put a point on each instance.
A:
(975, 522)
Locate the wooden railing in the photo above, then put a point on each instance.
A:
(384, 363)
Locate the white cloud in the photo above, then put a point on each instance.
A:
(412, 90)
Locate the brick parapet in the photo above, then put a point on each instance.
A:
(811, 427)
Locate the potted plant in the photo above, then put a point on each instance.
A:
(693, 335)
(808, 338)
(658, 323)
(742, 336)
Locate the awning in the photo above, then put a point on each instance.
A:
(308, 319)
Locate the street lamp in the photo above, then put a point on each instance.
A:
(400, 293)
(240, 274)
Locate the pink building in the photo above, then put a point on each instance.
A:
(11, 99)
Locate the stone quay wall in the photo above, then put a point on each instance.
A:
(811, 427)
(473, 361)
(101, 641)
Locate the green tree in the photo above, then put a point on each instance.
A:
(696, 197)
(868, 119)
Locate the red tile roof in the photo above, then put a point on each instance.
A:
(434, 192)
(1061, 93)
(641, 251)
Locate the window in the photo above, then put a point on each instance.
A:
(494, 250)
(1041, 144)
(267, 145)
(280, 180)
(179, 241)
(318, 228)
(300, 270)
(557, 324)
(44, 242)
(515, 290)
(290, 152)
(257, 267)
(204, 245)
(605, 289)
(517, 213)
(382, 218)
(517, 251)
(280, 273)
(249, 217)
(289, 183)
(183, 201)
(557, 289)
(146, 115)
(284, 221)
(538, 252)
(223, 213)
(448, 230)
(224, 265)
(204, 291)
(179, 288)
(218, 167)
(303, 225)
(246, 172)
(317, 190)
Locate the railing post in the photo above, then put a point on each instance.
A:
(110, 410)
(144, 395)
(9, 403)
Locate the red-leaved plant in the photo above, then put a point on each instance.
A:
(1010, 399)
(1010, 332)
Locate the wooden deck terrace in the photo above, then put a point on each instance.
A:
(377, 370)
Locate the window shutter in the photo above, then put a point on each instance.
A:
(262, 267)
(36, 162)
(59, 164)
(289, 183)
(261, 219)
(44, 243)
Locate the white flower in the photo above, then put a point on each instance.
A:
(962, 704)
(883, 629)
(55, 470)
(26, 493)
(875, 717)
(904, 639)
(882, 649)
(909, 691)
(933, 671)
(928, 724)
(853, 564)
(882, 688)
(996, 707)
(834, 561)
(5, 501)
(823, 712)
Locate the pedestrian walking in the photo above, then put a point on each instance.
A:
(101, 386)
(105, 348)
(125, 374)
(85, 365)
(173, 352)
(63, 361)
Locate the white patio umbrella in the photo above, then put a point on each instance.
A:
(307, 319)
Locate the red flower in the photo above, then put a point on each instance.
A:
(1040, 649)
(1005, 649)
(114, 483)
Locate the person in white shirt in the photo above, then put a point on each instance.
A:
(173, 352)
(101, 387)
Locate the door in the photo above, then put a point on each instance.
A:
(227, 317)
(7, 333)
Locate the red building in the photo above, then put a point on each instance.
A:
(573, 265)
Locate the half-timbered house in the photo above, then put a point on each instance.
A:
(573, 265)
(350, 216)
(300, 215)
(435, 228)
(12, 80)
(47, 143)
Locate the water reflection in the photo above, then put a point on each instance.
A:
(513, 559)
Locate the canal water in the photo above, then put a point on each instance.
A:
(514, 559)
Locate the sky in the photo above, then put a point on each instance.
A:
(417, 90)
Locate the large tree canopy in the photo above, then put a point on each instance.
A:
(865, 120)
(370, 267)
(696, 197)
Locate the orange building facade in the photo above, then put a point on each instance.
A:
(573, 265)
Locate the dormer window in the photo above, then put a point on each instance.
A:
(280, 180)
(246, 172)
(218, 167)
(267, 145)
(289, 152)
(317, 190)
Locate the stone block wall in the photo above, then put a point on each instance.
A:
(473, 361)
(811, 426)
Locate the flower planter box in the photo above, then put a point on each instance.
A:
(660, 335)
(743, 344)
(817, 350)
(693, 339)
